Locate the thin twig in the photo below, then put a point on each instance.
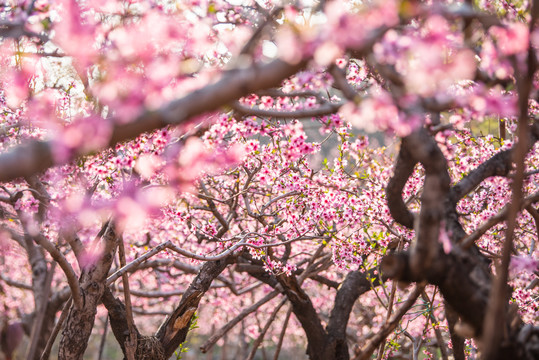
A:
(251, 43)
(131, 341)
(496, 219)
(169, 245)
(40, 313)
(389, 309)
(322, 110)
(222, 331)
(72, 279)
(283, 332)
(47, 351)
(400, 246)
(103, 339)
(388, 327)
(496, 317)
(14, 283)
(154, 294)
(135, 263)
(272, 317)
(277, 198)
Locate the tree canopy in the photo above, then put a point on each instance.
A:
(343, 179)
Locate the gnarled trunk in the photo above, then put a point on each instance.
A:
(80, 321)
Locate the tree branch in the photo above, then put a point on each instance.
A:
(135, 263)
(497, 317)
(72, 279)
(40, 314)
(174, 329)
(271, 319)
(92, 281)
(283, 332)
(499, 217)
(404, 168)
(14, 283)
(131, 341)
(388, 327)
(321, 110)
(498, 165)
(222, 331)
(47, 351)
(37, 156)
(423, 148)
(354, 285)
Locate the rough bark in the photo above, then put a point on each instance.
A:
(322, 344)
(40, 273)
(354, 285)
(463, 275)
(47, 325)
(302, 306)
(425, 151)
(36, 156)
(404, 168)
(80, 320)
(174, 329)
(317, 338)
(148, 347)
(456, 340)
(39, 268)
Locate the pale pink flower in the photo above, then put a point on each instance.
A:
(289, 46)
(512, 39)
(327, 53)
(444, 239)
(523, 263)
(89, 258)
(76, 35)
(147, 165)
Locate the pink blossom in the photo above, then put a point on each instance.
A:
(512, 39)
(523, 263)
(73, 30)
(5, 241)
(147, 165)
(84, 135)
(16, 82)
(327, 53)
(89, 258)
(290, 47)
(444, 239)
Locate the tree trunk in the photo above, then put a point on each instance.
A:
(80, 321)
(175, 328)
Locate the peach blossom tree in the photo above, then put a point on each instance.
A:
(355, 178)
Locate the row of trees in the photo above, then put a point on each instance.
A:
(174, 164)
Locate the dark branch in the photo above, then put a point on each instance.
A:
(423, 149)
(403, 170)
(175, 328)
(354, 285)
